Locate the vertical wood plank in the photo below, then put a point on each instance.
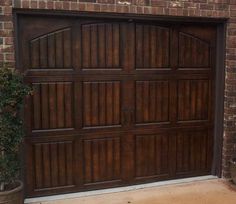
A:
(43, 52)
(164, 154)
(68, 101)
(102, 103)
(146, 47)
(116, 161)
(102, 159)
(109, 102)
(158, 151)
(51, 51)
(87, 104)
(179, 149)
(158, 101)
(67, 43)
(116, 103)
(45, 108)
(38, 165)
(146, 99)
(88, 162)
(59, 49)
(62, 163)
(139, 102)
(86, 45)
(95, 157)
(109, 45)
(151, 155)
(102, 45)
(186, 152)
(46, 165)
(153, 46)
(52, 105)
(60, 106)
(166, 48)
(69, 163)
(139, 159)
(94, 104)
(94, 46)
(153, 105)
(193, 98)
(110, 159)
(35, 59)
(54, 164)
(37, 106)
(159, 48)
(139, 45)
(116, 45)
(165, 102)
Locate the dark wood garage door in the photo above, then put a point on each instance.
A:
(115, 102)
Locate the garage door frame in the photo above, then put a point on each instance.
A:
(220, 23)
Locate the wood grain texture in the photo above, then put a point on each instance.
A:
(193, 52)
(52, 51)
(52, 105)
(53, 164)
(102, 160)
(193, 99)
(152, 155)
(116, 102)
(192, 151)
(152, 46)
(152, 101)
(101, 46)
(101, 103)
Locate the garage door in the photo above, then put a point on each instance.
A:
(115, 102)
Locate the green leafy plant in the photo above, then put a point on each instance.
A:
(12, 93)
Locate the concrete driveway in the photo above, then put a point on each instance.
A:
(199, 192)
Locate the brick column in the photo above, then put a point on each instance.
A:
(6, 33)
(229, 147)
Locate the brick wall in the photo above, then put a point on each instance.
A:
(204, 8)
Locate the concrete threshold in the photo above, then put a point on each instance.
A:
(116, 190)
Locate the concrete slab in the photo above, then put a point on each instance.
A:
(197, 192)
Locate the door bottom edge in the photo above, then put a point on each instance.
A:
(117, 189)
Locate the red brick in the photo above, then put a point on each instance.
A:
(49, 5)
(82, 7)
(8, 25)
(9, 57)
(5, 2)
(85, 1)
(8, 40)
(141, 2)
(66, 5)
(25, 4)
(158, 3)
(58, 5)
(7, 10)
(106, 1)
(42, 4)
(34, 4)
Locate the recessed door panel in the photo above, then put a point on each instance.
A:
(152, 101)
(101, 46)
(52, 106)
(152, 46)
(102, 160)
(101, 103)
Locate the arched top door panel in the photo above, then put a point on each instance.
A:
(52, 50)
(152, 46)
(101, 46)
(193, 52)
